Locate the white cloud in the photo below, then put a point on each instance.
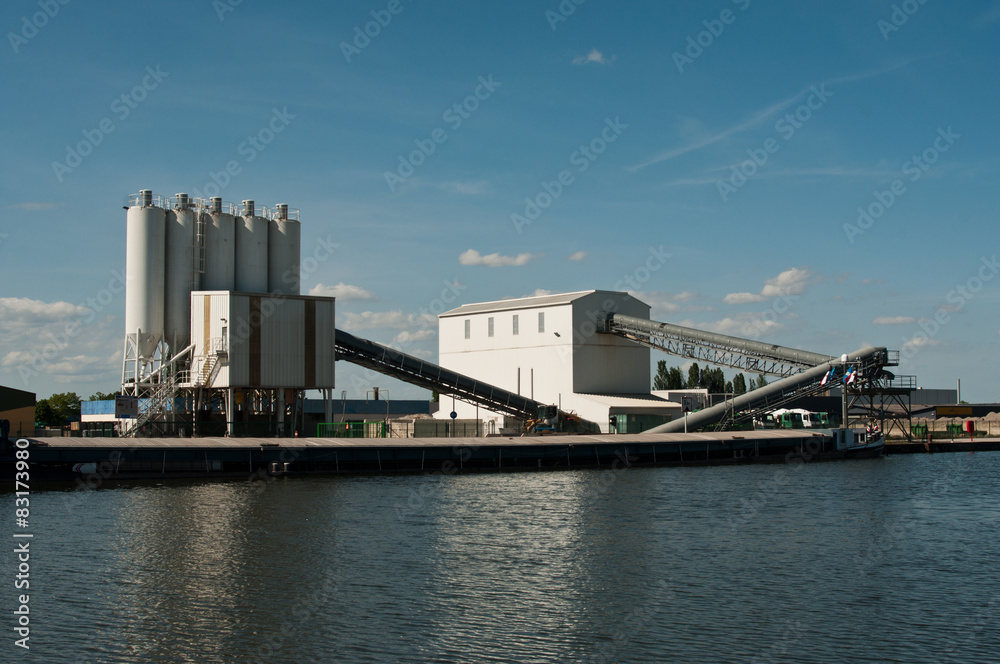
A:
(396, 320)
(742, 298)
(741, 327)
(17, 311)
(407, 337)
(342, 291)
(34, 207)
(473, 257)
(595, 57)
(894, 320)
(916, 343)
(577, 256)
(792, 281)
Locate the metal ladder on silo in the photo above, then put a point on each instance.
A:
(198, 251)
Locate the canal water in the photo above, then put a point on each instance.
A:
(886, 560)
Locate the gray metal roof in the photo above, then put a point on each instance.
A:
(523, 303)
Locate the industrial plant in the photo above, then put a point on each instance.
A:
(216, 331)
(220, 342)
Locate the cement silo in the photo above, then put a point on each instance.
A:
(284, 240)
(220, 248)
(181, 277)
(145, 273)
(251, 251)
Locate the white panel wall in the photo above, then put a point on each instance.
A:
(605, 363)
(568, 357)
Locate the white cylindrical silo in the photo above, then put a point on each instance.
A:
(145, 274)
(180, 273)
(251, 251)
(220, 249)
(284, 246)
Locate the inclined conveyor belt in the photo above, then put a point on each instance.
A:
(410, 369)
(802, 371)
(866, 361)
(744, 354)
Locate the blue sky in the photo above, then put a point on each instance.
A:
(739, 138)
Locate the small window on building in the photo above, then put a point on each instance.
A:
(489, 326)
(468, 329)
(541, 321)
(515, 324)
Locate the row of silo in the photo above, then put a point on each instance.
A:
(179, 246)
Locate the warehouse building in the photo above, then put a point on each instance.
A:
(547, 348)
(18, 408)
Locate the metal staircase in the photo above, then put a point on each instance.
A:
(157, 402)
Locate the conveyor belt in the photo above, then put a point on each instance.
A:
(413, 370)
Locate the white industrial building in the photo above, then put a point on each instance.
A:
(547, 348)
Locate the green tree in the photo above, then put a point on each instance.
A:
(65, 406)
(667, 378)
(729, 387)
(712, 380)
(739, 384)
(104, 396)
(675, 379)
(43, 412)
(760, 382)
(694, 377)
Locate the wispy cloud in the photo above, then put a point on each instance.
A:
(577, 256)
(396, 320)
(894, 320)
(594, 57)
(473, 257)
(342, 291)
(663, 304)
(989, 16)
(475, 188)
(769, 111)
(34, 207)
(748, 122)
(408, 337)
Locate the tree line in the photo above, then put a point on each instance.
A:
(62, 408)
(713, 380)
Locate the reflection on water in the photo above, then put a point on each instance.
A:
(869, 561)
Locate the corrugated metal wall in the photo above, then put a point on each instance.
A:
(273, 342)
